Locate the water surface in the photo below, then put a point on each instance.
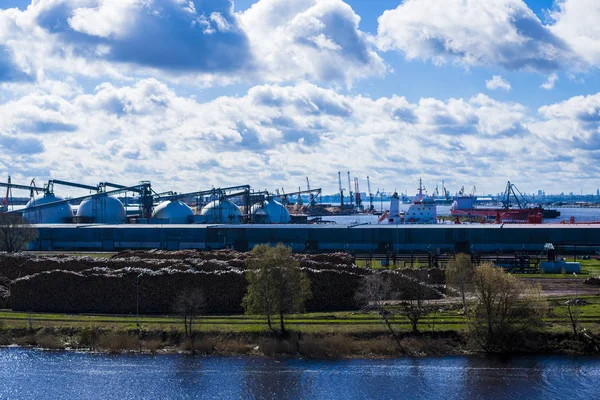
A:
(29, 374)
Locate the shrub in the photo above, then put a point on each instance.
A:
(115, 342)
(197, 345)
(336, 346)
(49, 341)
(274, 346)
(153, 345)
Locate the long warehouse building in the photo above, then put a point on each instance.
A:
(325, 238)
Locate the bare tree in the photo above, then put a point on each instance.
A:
(374, 294)
(414, 304)
(459, 275)
(15, 233)
(190, 304)
(504, 306)
(380, 289)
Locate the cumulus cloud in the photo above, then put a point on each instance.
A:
(550, 82)
(195, 35)
(310, 39)
(472, 33)
(274, 135)
(576, 22)
(497, 82)
(9, 70)
(574, 123)
(20, 145)
(202, 41)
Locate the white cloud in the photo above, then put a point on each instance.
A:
(274, 136)
(199, 41)
(576, 22)
(550, 81)
(497, 82)
(310, 39)
(472, 33)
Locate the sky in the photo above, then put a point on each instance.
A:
(195, 94)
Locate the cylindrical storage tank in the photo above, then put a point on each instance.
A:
(222, 212)
(270, 212)
(558, 267)
(58, 214)
(173, 212)
(102, 210)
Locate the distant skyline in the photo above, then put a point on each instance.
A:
(196, 94)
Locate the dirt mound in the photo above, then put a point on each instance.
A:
(85, 284)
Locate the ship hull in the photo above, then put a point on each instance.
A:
(495, 213)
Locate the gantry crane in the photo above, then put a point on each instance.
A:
(359, 205)
(341, 189)
(9, 188)
(313, 200)
(371, 206)
(350, 190)
(144, 190)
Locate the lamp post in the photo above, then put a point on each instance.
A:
(137, 299)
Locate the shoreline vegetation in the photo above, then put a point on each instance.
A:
(193, 302)
(329, 345)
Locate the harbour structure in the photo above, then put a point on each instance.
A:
(270, 211)
(173, 212)
(515, 210)
(422, 210)
(317, 238)
(101, 205)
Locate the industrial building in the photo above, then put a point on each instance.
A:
(361, 238)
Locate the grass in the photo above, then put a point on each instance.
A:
(342, 322)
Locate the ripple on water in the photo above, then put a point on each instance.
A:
(70, 375)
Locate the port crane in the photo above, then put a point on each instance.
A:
(520, 199)
(359, 204)
(214, 193)
(341, 189)
(9, 188)
(371, 206)
(312, 201)
(144, 190)
(315, 193)
(49, 187)
(350, 190)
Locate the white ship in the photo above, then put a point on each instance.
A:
(422, 210)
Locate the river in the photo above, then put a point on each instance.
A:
(36, 374)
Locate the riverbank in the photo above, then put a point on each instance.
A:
(294, 344)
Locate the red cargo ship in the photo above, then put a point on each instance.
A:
(463, 206)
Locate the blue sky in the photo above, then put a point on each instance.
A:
(209, 93)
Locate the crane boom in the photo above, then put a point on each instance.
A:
(357, 194)
(349, 189)
(52, 182)
(312, 201)
(341, 189)
(144, 189)
(5, 201)
(371, 207)
(20, 187)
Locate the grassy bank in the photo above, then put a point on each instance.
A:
(325, 335)
(445, 316)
